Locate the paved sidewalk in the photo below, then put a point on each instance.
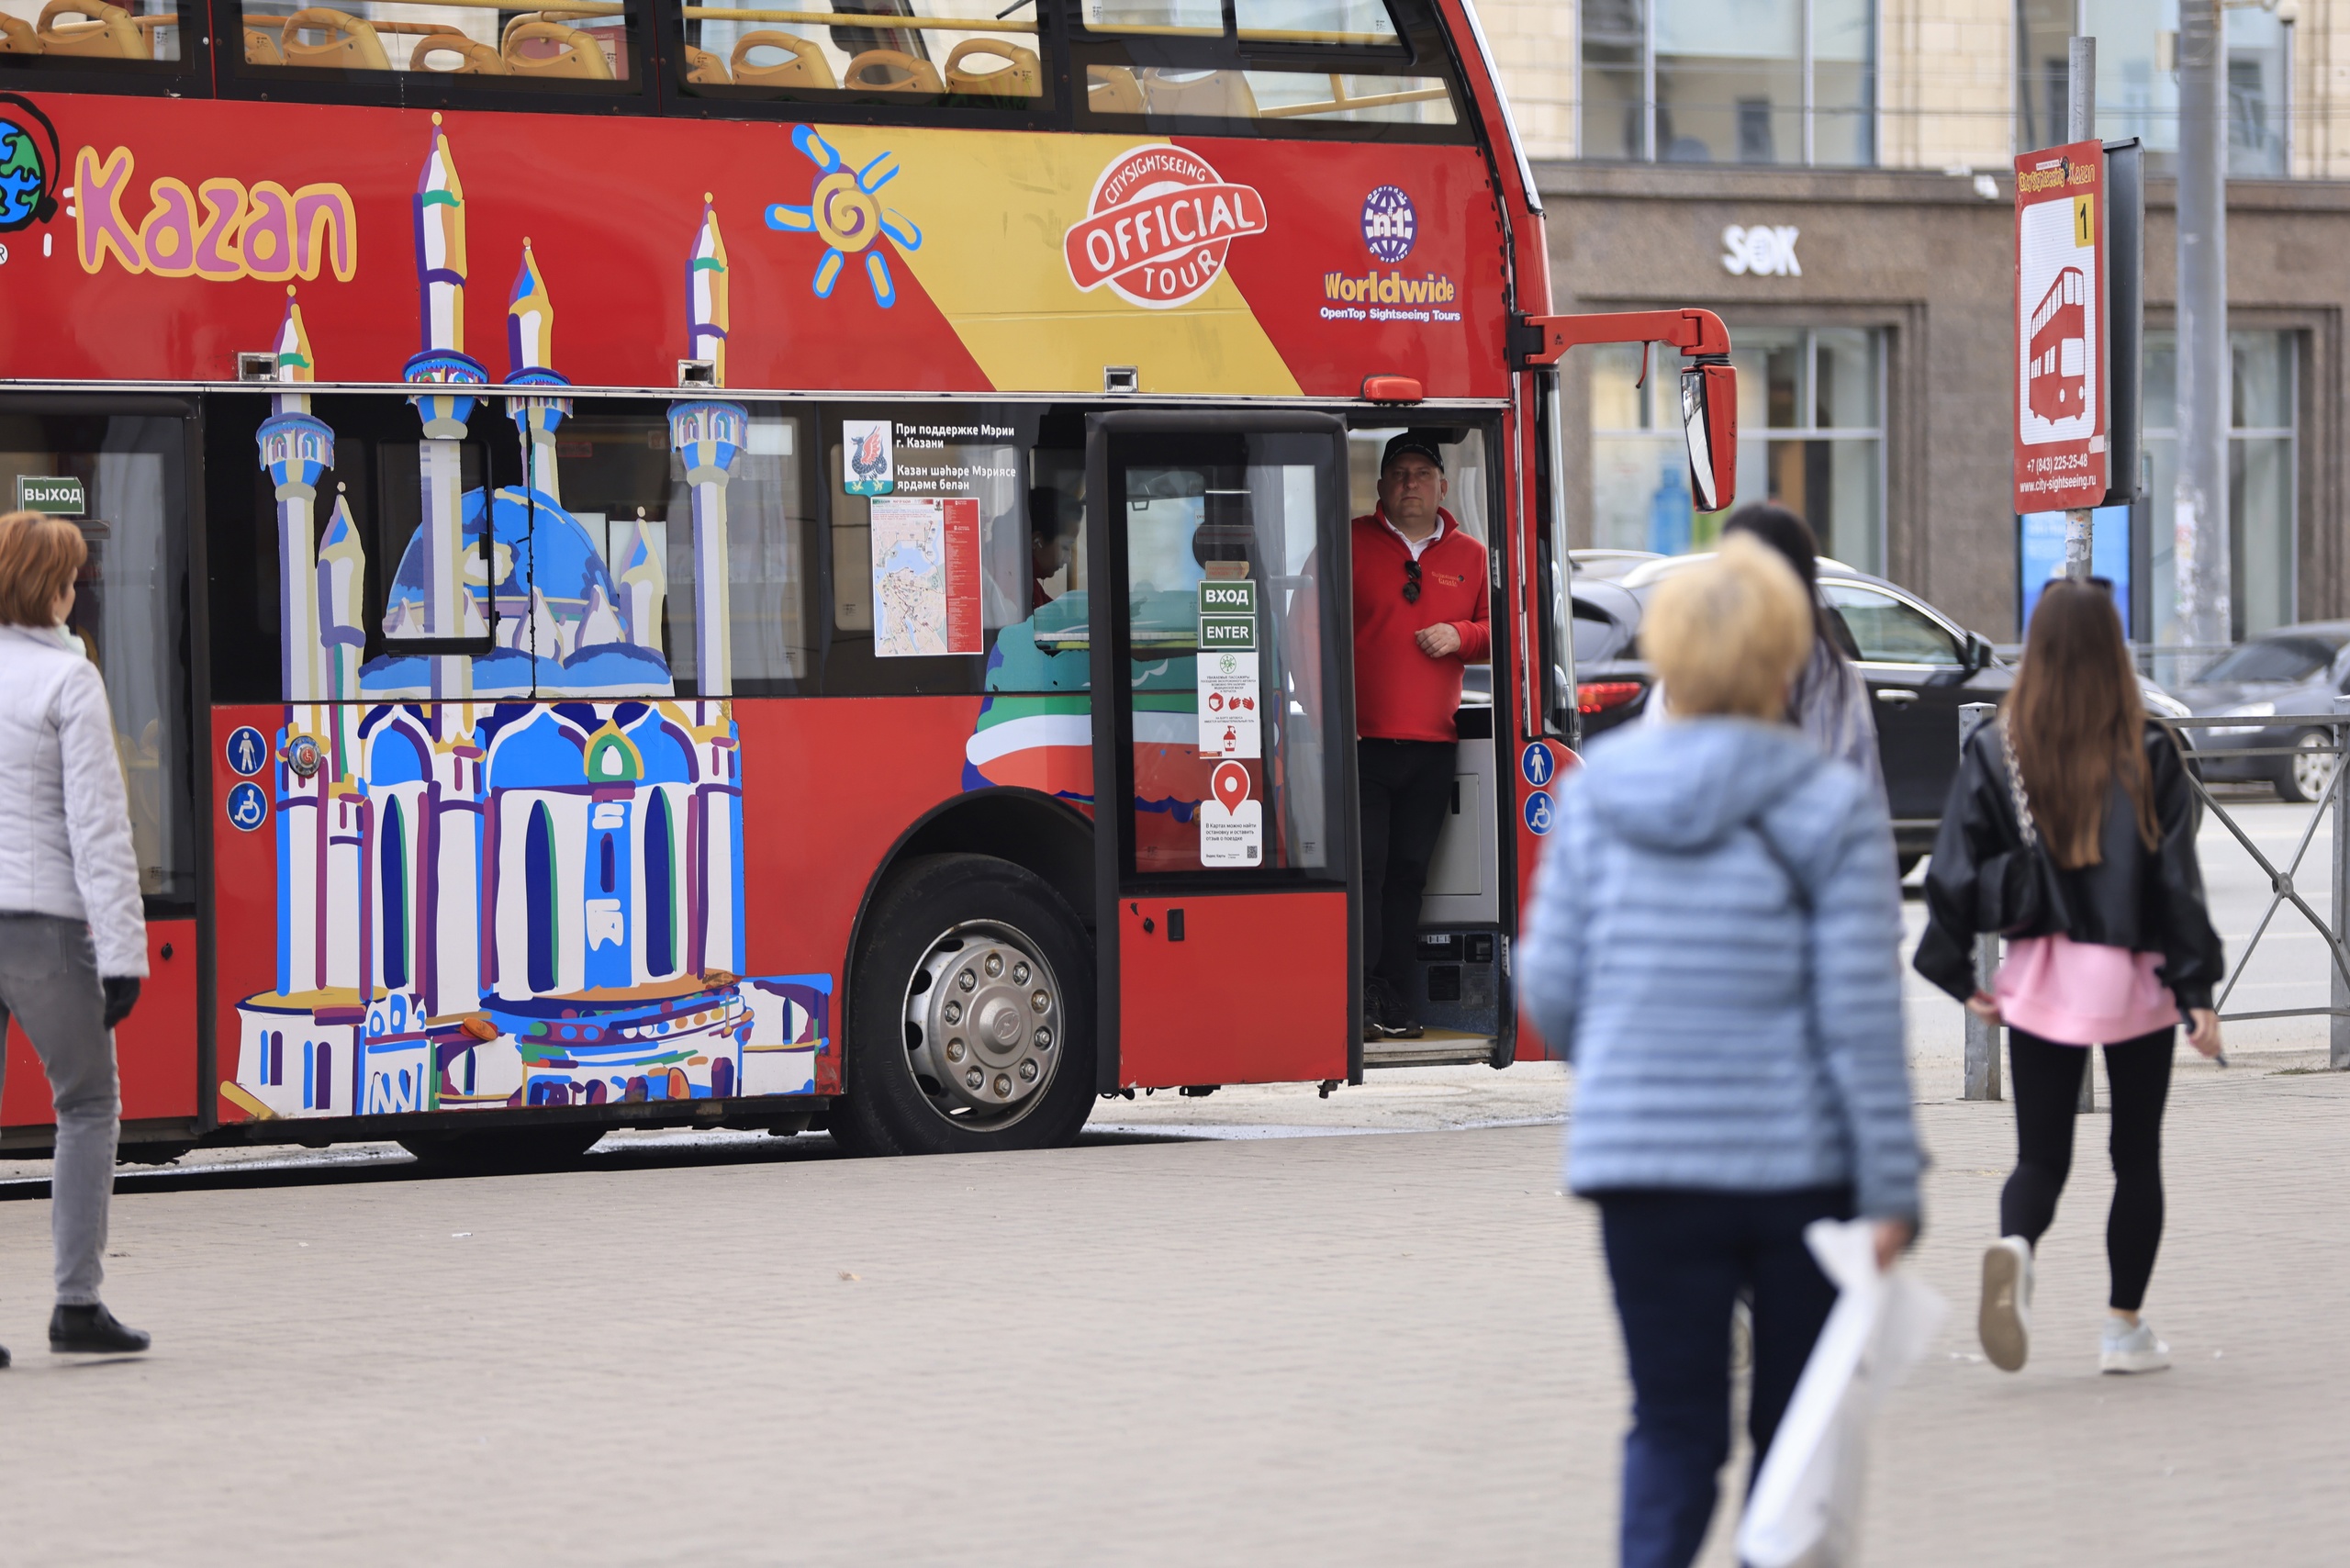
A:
(1368, 1349)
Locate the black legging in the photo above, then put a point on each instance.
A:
(2048, 1087)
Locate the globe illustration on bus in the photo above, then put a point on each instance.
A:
(22, 175)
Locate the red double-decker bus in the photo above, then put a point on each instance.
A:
(750, 566)
(2056, 377)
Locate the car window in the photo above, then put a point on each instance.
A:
(1888, 631)
(2272, 658)
(1598, 636)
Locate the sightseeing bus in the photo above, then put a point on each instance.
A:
(2058, 375)
(725, 565)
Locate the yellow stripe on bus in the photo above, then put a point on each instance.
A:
(993, 208)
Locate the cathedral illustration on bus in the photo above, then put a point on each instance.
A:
(510, 874)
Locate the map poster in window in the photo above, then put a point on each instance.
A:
(926, 577)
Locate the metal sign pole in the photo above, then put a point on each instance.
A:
(2080, 100)
(1982, 1039)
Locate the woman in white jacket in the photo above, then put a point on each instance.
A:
(72, 932)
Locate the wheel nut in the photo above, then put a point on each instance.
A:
(995, 965)
(1027, 1072)
(952, 1013)
(1002, 1087)
(967, 981)
(1020, 974)
(1042, 1000)
(975, 1078)
(954, 1050)
(1043, 1039)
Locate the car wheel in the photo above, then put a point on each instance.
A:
(971, 1023)
(2303, 776)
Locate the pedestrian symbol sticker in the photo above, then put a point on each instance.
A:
(247, 753)
(1537, 764)
(1541, 813)
(248, 807)
(1231, 826)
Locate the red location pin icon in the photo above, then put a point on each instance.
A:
(1231, 784)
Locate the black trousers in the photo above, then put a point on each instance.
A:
(2048, 1086)
(1679, 1259)
(1406, 794)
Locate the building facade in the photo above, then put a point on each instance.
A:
(1833, 177)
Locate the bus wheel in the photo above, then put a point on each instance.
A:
(503, 1150)
(970, 1014)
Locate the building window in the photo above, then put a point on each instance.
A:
(1810, 437)
(2137, 79)
(1729, 80)
(2263, 495)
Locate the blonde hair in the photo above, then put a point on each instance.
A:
(39, 556)
(1728, 634)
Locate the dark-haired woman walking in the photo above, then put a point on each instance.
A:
(2070, 830)
(1828, 700)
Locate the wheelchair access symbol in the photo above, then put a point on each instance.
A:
(1537, 764)
(1541, 813)
(248, 807)
(247, 753)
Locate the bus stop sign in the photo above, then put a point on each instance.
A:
(2064, 346)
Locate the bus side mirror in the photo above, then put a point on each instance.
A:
(1709, 425)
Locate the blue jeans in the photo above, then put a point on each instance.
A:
(1679, 1259)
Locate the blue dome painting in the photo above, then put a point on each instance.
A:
(562, 624)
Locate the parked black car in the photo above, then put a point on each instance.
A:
(1921, 665)
(2275, 681)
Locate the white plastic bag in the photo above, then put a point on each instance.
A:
(1804, 1508)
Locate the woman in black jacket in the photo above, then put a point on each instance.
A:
(2070, 830)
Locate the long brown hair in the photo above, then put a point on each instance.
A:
(2078, 723)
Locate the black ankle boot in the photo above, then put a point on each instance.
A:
(4, 1355)
(92, 1329)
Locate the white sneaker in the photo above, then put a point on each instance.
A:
(2132, 1348)
(2004, 1323)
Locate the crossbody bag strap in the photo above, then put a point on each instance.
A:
(2016, 791)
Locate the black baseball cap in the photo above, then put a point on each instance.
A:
(1427, 444)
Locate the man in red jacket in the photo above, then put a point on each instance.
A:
(1420, 616)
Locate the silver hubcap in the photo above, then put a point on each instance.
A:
(983, 1024)
(2313, 767)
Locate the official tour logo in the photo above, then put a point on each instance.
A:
(1158, 226)
(1390, 224)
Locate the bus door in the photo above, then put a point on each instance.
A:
(118, 468)
(1226, 850)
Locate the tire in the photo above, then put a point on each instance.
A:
(939, 975)
(504, 1151)
(2302, 777)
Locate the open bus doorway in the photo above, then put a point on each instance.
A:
(1454, 984)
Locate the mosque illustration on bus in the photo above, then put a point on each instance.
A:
(510, 874)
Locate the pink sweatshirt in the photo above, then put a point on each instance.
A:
(2081, 993)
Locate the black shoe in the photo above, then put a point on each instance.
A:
(4, 1355)
(1394, 1019)
(91, 1330)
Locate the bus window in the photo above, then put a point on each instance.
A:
(585, 45)
(930, 548)
(967, 53)
(1285, 66)
(632, 482)
(127, 495)
(53, 34)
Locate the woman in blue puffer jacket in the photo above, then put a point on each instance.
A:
(1715, 942)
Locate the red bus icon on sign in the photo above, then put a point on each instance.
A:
(2056, 379)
